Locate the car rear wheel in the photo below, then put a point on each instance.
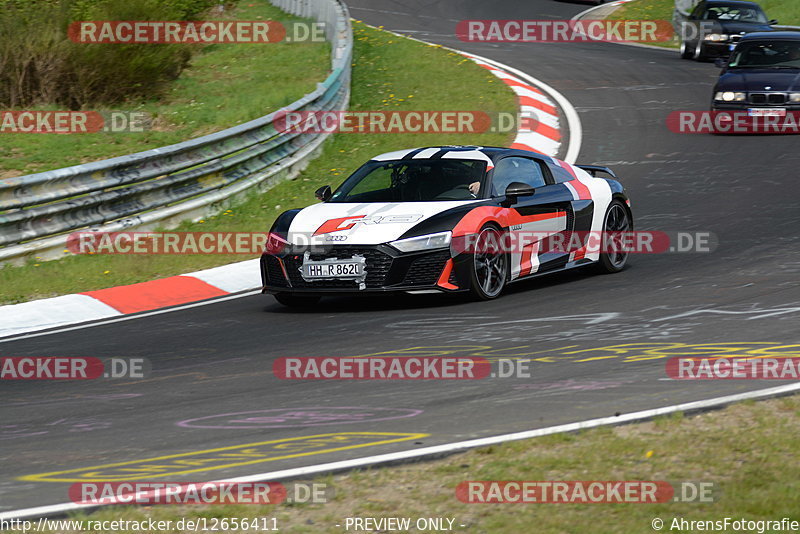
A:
(489, 269)
(296, 301)
(616, 222)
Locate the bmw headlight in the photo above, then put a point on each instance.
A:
(729, 96)
(716, 37)
(794, 97)
(423, 242)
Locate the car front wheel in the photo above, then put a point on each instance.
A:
(687, 51)
(489, 269)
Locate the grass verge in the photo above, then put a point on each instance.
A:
(747, 450)
(787, 12)
(389, 73)
(648, 10)
(225, 85)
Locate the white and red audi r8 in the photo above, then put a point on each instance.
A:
(446, 219)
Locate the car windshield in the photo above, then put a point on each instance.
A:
(767, 54)
(737, 13)
(423, 180)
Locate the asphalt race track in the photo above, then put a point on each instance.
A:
(216, 360)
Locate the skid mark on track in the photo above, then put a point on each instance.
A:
(59, 426)
(294, 417)
(658, 323)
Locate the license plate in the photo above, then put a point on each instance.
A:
(766, 112)
(343, 269)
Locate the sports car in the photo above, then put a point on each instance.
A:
(438, 219)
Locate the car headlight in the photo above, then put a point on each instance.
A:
(423, 242)
(729, 96)
(794, 97)
(716, 37)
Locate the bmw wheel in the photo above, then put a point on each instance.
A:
(698, 52)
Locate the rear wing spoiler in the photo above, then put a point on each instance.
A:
(594, 169)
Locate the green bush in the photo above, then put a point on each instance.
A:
(171, 9)
(39, 65)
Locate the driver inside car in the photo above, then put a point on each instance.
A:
(464, 183)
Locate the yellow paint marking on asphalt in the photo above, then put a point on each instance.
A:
(595, 358)
(638, 352)
(224, 457)
(626, 352)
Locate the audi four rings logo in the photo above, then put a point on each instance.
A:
(335, 237)
(346, 223)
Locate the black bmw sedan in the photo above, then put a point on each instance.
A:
(762, 76)
(714, 26)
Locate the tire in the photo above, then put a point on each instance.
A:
(489, 266)
(296, 301)
(617, 219)
(698, 53)
(687, 52)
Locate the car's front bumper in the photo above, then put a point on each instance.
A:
(714, 50)
(744, 106)
(387, 270)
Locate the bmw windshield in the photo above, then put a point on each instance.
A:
(423, 180)
(766, 55)
(736, 13)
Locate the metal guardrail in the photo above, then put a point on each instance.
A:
(38, 210)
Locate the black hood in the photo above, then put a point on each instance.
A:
(736, 26)
(758, 79)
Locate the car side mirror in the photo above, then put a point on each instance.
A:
(721, 62)
(323, 193)
(516, 190)
(772, 22)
